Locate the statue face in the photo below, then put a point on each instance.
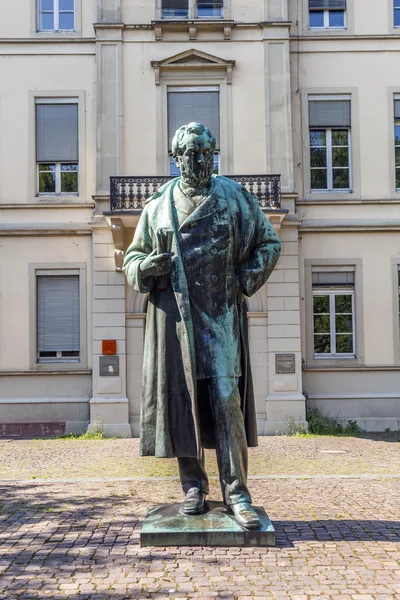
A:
(197, 161)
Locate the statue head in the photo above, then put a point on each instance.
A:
(193, 148)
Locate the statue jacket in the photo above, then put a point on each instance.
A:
(196, 327)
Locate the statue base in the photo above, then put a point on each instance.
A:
(164, 525)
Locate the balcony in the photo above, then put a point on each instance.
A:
(128, 194)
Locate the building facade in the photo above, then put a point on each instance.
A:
(303, 99)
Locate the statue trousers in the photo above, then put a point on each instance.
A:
(231, 445)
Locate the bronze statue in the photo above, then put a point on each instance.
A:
(201, 245)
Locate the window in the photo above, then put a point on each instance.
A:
(56, 15)
(330, 145)
(397, 140)
(396, 13)
(209, 8)
(184, 9)
(188, 104)
(333, 314)
(58, 318)
(327, 14)
(57, 147)
(172, 9)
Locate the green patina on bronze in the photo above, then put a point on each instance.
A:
(164, 526)
(201, 246)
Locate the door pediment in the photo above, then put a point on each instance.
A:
(192, 60)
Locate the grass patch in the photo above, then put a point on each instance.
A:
(88, 435)
(321, 424)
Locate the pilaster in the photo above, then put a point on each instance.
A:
(109, 404)
(109, 103)
(285, 403)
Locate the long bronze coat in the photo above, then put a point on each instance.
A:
(175, 415)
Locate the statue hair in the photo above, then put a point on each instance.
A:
(192, 129)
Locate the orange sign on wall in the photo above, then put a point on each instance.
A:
(109, 347)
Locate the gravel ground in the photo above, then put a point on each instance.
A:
(278, 455)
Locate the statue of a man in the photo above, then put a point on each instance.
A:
(201, 245)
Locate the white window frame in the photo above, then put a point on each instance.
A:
(59, 358)
(326, 25)
(56, 11)
(55, 269)
(53, 97)
(396, 97)
(58, 172)
(193, 12)
(334, 265)
(329, 166)
(332, 292)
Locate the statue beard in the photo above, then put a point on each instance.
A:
(197, 178)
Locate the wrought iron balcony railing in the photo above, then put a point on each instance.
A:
(130, 193)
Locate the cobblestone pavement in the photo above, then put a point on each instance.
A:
(337, 539)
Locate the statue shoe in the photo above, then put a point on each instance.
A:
(194, 501)
(245, 515)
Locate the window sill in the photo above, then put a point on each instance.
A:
(333, 363)
(29, 372)
(56, 197)
(312, 29)
(330, 195)
(334, 32)
(56, 35)
(59, 367)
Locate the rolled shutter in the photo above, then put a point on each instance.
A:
(175, 5)
(397, 109)
(329, 113)
(188, 107)
(58, 313)
(57, 132)
(327, 279)
(327, 4)
(210, 3)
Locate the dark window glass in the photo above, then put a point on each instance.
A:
(66, 21)
(316, 18)
(319, 180)
(47, 179)
(340, 179)
(318, 137)
(336, 18)
(46, 22)
(69, 179)
(322, 344)
(344, 344)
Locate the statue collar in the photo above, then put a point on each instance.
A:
(191, 192)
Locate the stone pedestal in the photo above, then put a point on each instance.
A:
(164, 525)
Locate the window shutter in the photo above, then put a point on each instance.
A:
(397, 109)
(200, 107)
(329, 113)
(175, 5)
(210, 3)
(58, 313)
(327, 4)
(57, 132)
(329, 278)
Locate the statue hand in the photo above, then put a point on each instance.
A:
(156, 265)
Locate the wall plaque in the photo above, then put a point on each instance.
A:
(285, 363)
(109, 366)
